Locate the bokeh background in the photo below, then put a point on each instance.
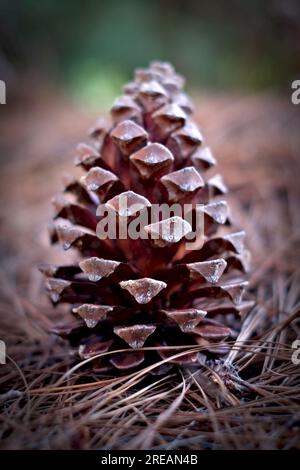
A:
(90, 48)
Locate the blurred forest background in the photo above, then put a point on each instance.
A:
(90, 48)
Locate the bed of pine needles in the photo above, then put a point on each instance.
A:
(247, 400)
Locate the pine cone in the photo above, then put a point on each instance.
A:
(127, 293)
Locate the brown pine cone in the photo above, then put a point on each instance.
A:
(153, 291)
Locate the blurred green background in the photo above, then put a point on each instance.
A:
(91, 47)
